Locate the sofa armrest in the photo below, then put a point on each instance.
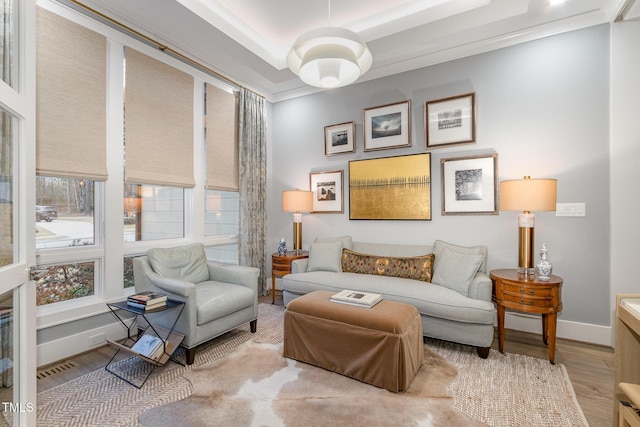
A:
(236, 274)
(299, 265)
(481, 287)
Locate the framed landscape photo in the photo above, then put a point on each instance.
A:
(339, 139)
(327, 191)
(469, 185)
(387, 126)
(450, 121)
(394, 188)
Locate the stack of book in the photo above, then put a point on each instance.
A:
(147, 300)
(149, 346)
(360, 299)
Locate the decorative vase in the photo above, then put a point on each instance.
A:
(282, 247)
(544, 266)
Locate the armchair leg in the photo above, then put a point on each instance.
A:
(254, 326)
(190, 355)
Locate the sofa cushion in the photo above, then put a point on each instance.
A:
(188, 263)
(432, 300)
(215, 300)
(418, 267)
(347, 241)
(325, 256)
(456, 270)
(439, 246)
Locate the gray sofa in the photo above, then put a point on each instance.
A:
(455, 304)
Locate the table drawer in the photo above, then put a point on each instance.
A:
(281, 266)
(525, 300)
(534, 291)
(281, 271)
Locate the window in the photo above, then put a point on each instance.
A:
(7, 43)
(127, 273)
(221, 225)
(64, 212)
(221, 213)
(227, 254)
(56, 283)
(7, 351)
(153, 212)
(7, 225)
(65, 219)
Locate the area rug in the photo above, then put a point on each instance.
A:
(503, 390)
(256, 386)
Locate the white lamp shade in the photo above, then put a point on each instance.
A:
(329, 57)
(297, 201)
(528, 195)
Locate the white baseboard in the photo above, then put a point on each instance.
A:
(585, 332)
(71, 345)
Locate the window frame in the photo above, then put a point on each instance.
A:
(109, 250)
(56, 313)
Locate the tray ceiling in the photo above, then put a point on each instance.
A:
(248, 40)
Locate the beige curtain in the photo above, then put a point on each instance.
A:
(222, 140)
(71, 76)
(158, 123)
(253, 183)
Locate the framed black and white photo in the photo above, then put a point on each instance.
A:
(387, 126)
(450, 121)
(339, 138)
(469, 185)
(327, 190)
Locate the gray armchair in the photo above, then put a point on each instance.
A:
(218, 297)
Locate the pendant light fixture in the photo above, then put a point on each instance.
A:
(329, 57)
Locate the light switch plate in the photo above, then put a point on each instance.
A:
(571, 209)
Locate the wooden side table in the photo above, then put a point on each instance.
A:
(527, 294)
(281, 266)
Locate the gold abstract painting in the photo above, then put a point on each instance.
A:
(391, 188)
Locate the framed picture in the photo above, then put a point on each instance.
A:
(339, 139)
(387, 126)
(327, 191)
(469, 185)
(391, 188)
(450, 121)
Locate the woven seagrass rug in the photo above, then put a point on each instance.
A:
(454, 386)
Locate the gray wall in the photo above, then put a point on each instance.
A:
(542, 106)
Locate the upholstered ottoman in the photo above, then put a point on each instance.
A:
(381, 345)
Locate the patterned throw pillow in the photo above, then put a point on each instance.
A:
(418, 267)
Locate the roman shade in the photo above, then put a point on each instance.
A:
(158, 123)
(71, 76)
(222, 140)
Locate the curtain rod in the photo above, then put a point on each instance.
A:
(162, 47)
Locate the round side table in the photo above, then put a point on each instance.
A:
(528, 294)
(281, 266)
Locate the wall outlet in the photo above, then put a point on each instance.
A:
(97, 339)
(571, 209)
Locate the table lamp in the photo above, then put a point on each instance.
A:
(527, 195)
(297, 201)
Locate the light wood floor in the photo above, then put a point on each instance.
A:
(590, 368)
